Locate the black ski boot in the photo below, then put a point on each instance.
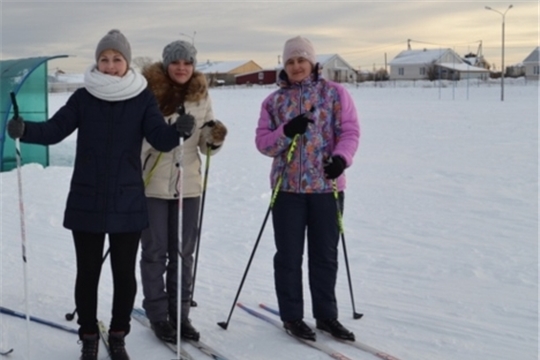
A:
(90, 346)
(300, 329)
(164, 331)
(117, 346)
(334, 327)
(187, 331)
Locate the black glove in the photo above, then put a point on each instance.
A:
(213, 133)
(297, 125)
(185, 125)
(334, 167)
(15, 127)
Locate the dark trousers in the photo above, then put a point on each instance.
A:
(292, 215)
(123, 255)
(159, 256)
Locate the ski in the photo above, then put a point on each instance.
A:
(207, 349)
(200, 345)
(21, 315)
(357, 344)
(104, 334)
(6, 352)
(319, 346)
(140, 316)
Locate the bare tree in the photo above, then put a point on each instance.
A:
(483, 63)
(478, 61)
(432, 72)
(140, 62)
(381, 75)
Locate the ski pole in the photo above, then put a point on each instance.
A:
(199, 230)
(181, 111)
(4, 310)
(70, 316)
(342, 233)
(225, 324)
(23, 227)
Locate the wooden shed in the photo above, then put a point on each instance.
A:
(261, 77)
(224, 72)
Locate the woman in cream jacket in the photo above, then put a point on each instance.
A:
(181, 93)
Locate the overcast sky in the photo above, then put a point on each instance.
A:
(364, 33)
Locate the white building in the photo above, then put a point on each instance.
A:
(532, 65)
(433, 64)
(334, 68)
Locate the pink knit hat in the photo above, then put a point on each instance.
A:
(299, 46)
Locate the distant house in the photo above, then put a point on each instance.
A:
(224, 72)
(532, 65)
(515, 70)
(259, 77)
(433, 64)
(334, 68)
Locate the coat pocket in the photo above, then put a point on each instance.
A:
(82, 197)
(130, 199)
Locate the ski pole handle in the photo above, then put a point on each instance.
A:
(15, 106)
(181, 110)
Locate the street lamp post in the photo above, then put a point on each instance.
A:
(503, 14)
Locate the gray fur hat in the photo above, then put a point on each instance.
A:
(179, 50)
(115, 40)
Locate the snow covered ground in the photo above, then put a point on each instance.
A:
(441, 227)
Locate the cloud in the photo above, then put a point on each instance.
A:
(362, 32)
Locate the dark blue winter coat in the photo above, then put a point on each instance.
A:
(107, 190)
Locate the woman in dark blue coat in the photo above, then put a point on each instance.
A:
(112, 114)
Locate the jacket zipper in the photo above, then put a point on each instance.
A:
(301, 146)
(110, 124)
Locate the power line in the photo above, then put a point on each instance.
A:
(374, 48)
(458, 44)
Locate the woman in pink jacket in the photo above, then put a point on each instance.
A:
(314, 120)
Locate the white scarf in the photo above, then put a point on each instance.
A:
(113, 88)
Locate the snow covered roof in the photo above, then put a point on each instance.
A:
(324, 58)
(463, 67)
(219, 67)
(425, 56)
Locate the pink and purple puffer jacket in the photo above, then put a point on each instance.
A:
(335, 131)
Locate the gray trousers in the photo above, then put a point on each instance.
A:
(159, 257)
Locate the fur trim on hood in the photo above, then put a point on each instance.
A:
(169, 94)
